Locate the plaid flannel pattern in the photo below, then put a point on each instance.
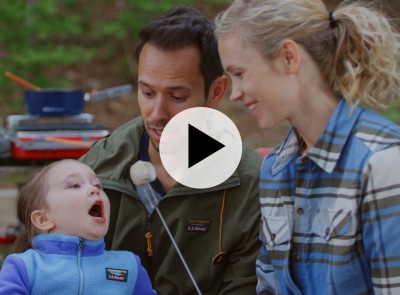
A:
(331, 219)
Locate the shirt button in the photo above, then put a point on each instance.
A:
(327, 230)
(298, 258)
(304, 160)
(300, 211)
(273, 236)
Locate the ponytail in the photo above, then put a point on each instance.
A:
(355, 46)
(23, 242)
(366, 64)
(31, 198)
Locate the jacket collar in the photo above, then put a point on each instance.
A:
(118, 152)
(67, 245)
(328, 148)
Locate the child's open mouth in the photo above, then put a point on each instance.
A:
(97, 209)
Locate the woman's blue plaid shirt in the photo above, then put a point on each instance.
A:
(331, 219)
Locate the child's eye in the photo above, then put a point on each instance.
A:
(75, 185)
(99, 186)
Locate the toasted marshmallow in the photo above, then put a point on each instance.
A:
(142, 172)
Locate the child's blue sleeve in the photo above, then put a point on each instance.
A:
(13, 276)
(143, 285)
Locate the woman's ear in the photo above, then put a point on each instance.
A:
(291, 56)
(41, 221)
(217, 91)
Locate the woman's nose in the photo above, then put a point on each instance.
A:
(236, 94)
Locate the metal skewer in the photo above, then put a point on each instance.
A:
(142, 173)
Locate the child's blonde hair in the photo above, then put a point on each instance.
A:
(31, 198)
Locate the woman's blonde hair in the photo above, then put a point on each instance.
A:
(355, 46)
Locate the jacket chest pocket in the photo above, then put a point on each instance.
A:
(330, 223)
(275, 230)
(335, 231)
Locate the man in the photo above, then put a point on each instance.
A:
(217, 228)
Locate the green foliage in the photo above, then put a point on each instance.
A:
(393, 111)
(55, 43)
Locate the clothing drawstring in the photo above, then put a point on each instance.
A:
(221, 255)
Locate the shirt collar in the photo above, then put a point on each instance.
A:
(328, 148)
(68, 245)
(144, 156)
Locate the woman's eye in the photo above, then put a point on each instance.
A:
(237, 75)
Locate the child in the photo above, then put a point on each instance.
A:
(66, 215)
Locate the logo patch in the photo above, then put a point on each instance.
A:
(197, 225)
(120, 275)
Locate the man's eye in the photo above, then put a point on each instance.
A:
(147, 93)
(179, 97)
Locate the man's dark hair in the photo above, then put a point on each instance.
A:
(181, 27)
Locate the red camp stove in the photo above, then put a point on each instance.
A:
(51, 138)
(55, 126)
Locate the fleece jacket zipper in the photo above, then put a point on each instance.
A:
(79, 262)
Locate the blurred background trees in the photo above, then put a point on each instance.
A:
(90, 45)
(72, 43)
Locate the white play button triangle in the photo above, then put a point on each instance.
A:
(200, 147)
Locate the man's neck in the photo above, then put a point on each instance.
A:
(165, 179)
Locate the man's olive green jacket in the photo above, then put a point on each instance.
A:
(202, 222)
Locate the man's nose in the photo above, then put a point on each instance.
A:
(160, 109)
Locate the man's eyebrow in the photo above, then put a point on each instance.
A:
(177, 87)
(143, 83)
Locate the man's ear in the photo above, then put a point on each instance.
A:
(217, 91)
(291, 56)
(41, 221)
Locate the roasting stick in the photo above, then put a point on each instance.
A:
(142, 173)
(22, 81)
(69, 141)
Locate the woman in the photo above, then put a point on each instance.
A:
(330, 192)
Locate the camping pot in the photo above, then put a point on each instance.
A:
(54, 102)
(64, 101)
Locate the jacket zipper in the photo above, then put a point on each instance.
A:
(148, 236)
(79, 262)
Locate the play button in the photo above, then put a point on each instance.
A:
(200, 147)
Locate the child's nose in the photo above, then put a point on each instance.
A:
(94, 191)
